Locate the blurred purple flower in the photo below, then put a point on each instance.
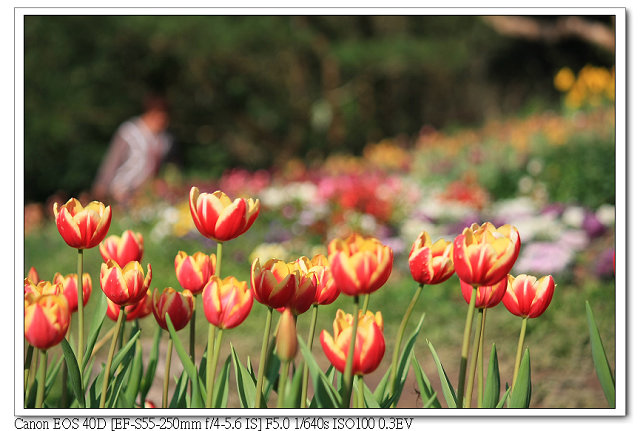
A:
(592, 225)
(604, 263)
(544, 258)
(554, 209)
(458, 227)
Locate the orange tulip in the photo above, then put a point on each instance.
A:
(431, 263)
(140, 309)
(483, 255)
(193, 272)
(359, 265)
(287, 337)
(487, 296)
(219, 218)
(82, 227)
(46, 320)
(124, 249)
(179, 305)
(272, 284)
(226, 302)
(70, 289)
(124, 286)
(527, 296)
(369, 348)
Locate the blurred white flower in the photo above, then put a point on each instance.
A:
(573, 216)
(606, 214)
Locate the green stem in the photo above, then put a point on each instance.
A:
(348, 370)
(480, 356)
(305, 370)
(263, 358)
(27, 366)
(214, 367)
(360, 391)
(284, 379)
(79, 286)
(474, 361)
(192, 344)
(218, 259)
(365, 304)
(32, 371)
(42, 374)
(167, 373)
(210, 342)
(523, 330)
(65, 372)
(465, 346)
(401, 329)
(112, 349)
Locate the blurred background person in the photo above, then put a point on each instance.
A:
(136, 153)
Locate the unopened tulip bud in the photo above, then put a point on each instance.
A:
(287, 337)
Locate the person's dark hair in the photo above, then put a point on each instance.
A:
(155, 102)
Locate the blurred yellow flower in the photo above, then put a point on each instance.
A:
(564, 79)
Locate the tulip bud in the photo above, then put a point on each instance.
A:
(431, 263)
(82, 227)
(359, 265)
(527, 296)
(218, 218)
(287, 337)
(227, 302)
(123, 249)
(46, 320)
(193, 272)
(70, 289)
(179, 306)
(127, 285)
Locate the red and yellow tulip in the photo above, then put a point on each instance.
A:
(304, 291)
(431, 263)
(140, 309)
(487, 296)
(124, 286)
(527, 296)
(272, 284)
(219, 218)
(179, 306)
(484, 255)
(369, 348)
(359, 265)
(46, 320)
(123, 249)
(82, 227)
(42, 288)
(227, 302)
(193, 272)
(33, 275)
(70, 288)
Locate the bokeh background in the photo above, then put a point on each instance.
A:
(387, 125)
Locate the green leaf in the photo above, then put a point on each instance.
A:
(521, 395)
(507, 392)
(93, 394)
(122, 353)
(150, 374)
(135, 377)
(221, 386)
(192, 372)
(246, 386)
(403, 364)
(447, 389)
(492, 385)
(294, 390)
(381, 389)
(429, 396)
(94, 330)
(51, 376)
(603, 370)
(324, 393)
(272, 374)
(369, 400)
(73, 371)
(179, 398)
(115, 385)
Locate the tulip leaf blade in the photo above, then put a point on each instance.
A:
(197, 400)
(600, 361)
(381, 390)
(150, 374)
(293, 391)
(73, 371)
(324, 393)
(122, 354)
(100, 314)
(521, 394)
(492, 385)
(115, 385)
(403, 364)
(246, 385)
(427, 393)
(507, 392)
(135, 378)
(272, 373)
(447, 389)
(221, 387)
(370, 400)
(51, 377)
(179, 398)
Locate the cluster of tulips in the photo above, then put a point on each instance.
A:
(355, 266)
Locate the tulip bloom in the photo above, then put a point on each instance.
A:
(219, 218)
(226, 302)
(124, 249)
(179, 305)
(272, 284)
(431, 263)
(527, 296)
(33, 275)
(370, 344)
(483, 255)
(82, 227)
(326, 288)
(359, 265)
(287, 337)
(42, 288)
(46, 320)
(304, 291)
(138, 310)
(70, 288)
(193, 272)
(487, 296)
(124, 286)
